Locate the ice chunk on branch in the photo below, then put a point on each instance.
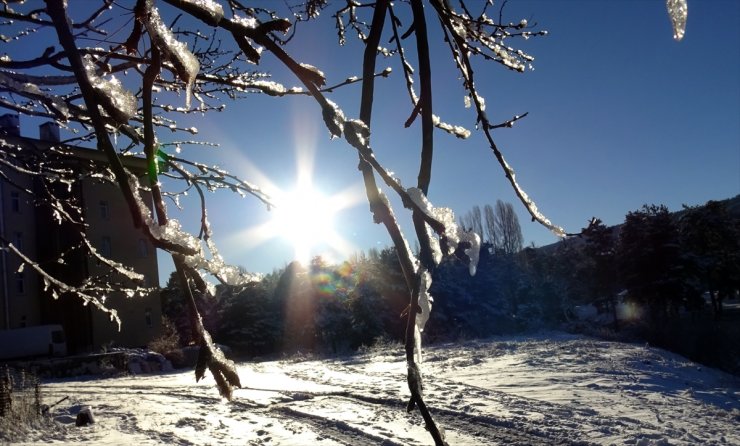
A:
(117, 102)
(425, 300)
(175, 52)
(209, 11)
(333, 118)
(453, 235)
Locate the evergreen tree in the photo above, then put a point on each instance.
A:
(544, 288)
(600, 274)
(333, 322)
(650, 261)
(369, 313)
(711, 238)
(391, 284)
(251, 320)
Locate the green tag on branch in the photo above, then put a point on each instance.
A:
(153, 170)
(158, 164)
(162, 161)
(162, 155)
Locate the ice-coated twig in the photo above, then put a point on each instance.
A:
(460, 50)
(175, 52)
(63, 287)
(210, 356)
(408, 73)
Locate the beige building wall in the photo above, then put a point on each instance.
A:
(19, 289)
(112, 233)
(23, 301)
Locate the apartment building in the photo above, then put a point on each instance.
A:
(31, 226)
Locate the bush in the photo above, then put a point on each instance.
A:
(168, 343)
(20, 403)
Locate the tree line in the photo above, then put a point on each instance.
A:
(660, 277)
(666, 264)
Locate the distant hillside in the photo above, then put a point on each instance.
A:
(732, 204)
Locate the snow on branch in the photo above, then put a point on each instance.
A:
(209, 11)
(115, 100)
(32, 91)
(175, 52)
(408, 72)
(61, 287)
(464, 35)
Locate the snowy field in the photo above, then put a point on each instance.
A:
(553, 389)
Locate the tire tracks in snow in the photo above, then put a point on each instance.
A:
(529, 422)
(325, 428)
(471, 429)
(299, 409)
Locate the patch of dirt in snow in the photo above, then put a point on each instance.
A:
(537, 390)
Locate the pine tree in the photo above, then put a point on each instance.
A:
(601, 274)
(711, 238)
(650, 260)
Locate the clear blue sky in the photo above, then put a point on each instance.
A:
(620, 115)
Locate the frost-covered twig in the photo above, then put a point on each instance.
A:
(210, 356)
(60, 286)
(408, 73)
(57, 10)
(212, 176)
(461, 50)
(509, 123)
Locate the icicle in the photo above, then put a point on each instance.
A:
(176, 52)
(425, 300)
(678, 10)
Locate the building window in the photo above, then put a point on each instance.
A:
(20, 283)
(148, 317)
(105, 248)
(104, 210)
(143, 249)
(15, 201)
(18, 240)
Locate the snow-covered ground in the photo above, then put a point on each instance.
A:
(534, 390)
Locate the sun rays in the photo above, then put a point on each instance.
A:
(305, 217)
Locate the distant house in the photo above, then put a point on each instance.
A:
(32, 227)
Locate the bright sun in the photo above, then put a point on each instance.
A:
(305, 218)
